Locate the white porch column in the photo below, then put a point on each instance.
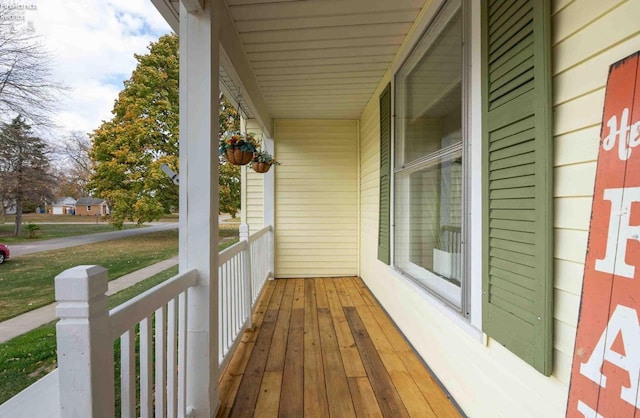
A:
(269, 204)
(199, 62)
(269, 186)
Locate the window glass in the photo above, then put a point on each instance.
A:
(428, 177)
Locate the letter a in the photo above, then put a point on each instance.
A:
(623, 321)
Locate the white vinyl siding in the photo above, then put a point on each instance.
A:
(588, 36)
(486, 379)
(316, 198)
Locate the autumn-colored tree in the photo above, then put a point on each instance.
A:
(128, 150)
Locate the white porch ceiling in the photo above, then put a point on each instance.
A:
(321, 58)
(317, 58)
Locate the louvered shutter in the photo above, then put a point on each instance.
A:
(384, 227)
(517, 191)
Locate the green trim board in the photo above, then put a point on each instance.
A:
(384, 226)
(517, 178)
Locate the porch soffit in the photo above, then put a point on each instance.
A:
(321, 58)
(316, 58)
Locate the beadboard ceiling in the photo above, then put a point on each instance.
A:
(319, 58)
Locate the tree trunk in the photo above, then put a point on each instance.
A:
(18, 228)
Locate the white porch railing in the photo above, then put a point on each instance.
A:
(243, 270)
(160, 315)
(150, 326)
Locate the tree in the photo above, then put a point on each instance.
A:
(129, 149)
(24, 167)
(26, 84)
(229, 174)
(75, 172)
(229, 184)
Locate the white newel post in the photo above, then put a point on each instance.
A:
(248, 275)
(85, 348)
(199, 74)
(244, 232)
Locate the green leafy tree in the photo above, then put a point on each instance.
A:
(24, 168)
(229, 178)
(128, 150)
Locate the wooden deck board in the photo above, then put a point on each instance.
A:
(338, 397)
(230, 379)
(325, 348)
(350, 356)
(249, 389)
(315, 393)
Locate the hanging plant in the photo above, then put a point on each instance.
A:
(237, 148)
(262, 161)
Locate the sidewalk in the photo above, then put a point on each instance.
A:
(26, 322)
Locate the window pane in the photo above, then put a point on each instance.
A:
(428, 172)
(428, 219)
(428, 95)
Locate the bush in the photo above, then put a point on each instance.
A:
(32, 228)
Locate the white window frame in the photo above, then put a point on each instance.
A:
(470, 319)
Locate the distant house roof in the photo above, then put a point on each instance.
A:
(65, 201)
(90, 201)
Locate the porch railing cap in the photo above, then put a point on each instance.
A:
(81, 283)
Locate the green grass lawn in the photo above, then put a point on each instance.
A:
(43, 217)
(26, 282)
(29, 357)
(51, 231)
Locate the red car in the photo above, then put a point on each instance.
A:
(4, 253)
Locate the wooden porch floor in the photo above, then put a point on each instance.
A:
(325, 348)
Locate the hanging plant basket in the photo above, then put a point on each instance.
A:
(262, 161)
(237, 148)
(236, 156)
(259, 167)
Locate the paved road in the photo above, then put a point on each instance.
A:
(54, 244)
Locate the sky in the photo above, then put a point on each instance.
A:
(92, 43)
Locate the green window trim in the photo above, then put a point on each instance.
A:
(384, 226)
(517, 176)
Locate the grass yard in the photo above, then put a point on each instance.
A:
(26, 282)
(43, 217)
(51, 231)
(29, 357)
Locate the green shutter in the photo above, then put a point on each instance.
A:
(517, 178)
(384, 227)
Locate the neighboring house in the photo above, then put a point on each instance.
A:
(10, 207)
(91, 206)
(64, 206)
(443, 150)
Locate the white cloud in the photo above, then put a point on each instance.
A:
(93, 42)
